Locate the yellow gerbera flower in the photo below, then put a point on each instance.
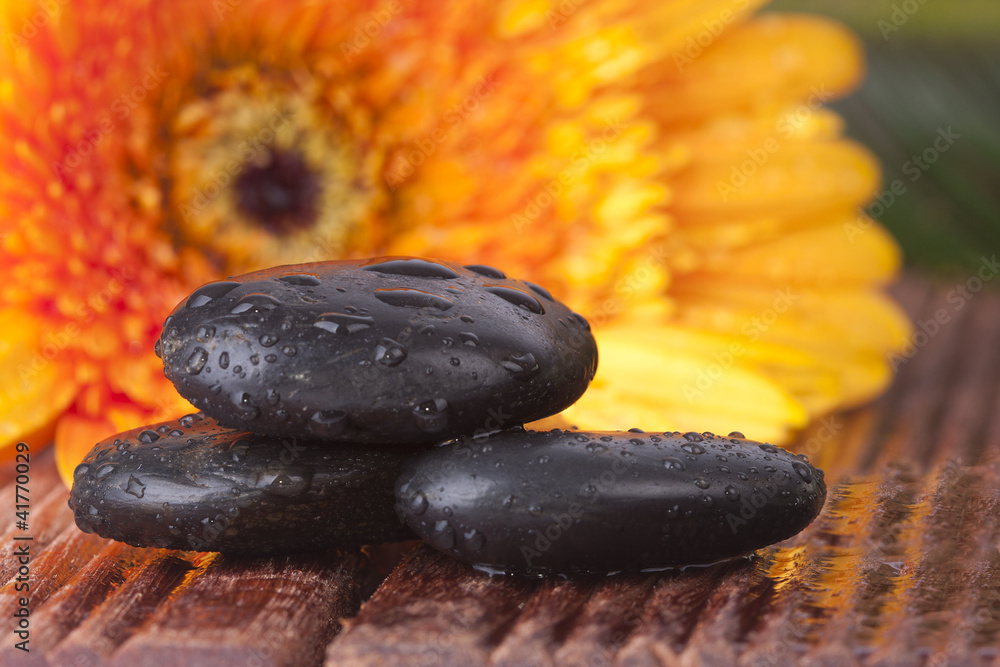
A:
(666, 167)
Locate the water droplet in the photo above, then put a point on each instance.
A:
(454, 361)
(447, 341)
(272, 397)
(206, 293)
(636, 430)
(673, 463)
(487, 271)
(412, 298)
(267, 340)
(224, 360)
(431, 416)
(418, 503)
(174, 433)
(237, 370)
(134, 487)
(420, 268)
(473, 541)
(254, 359)
(722, 457)
(732, 493)
(158, 349)
(343, 324)
(328, 423)
(161, 429)
(80, 470)
(469, 339)
(737, 434)
(521, 367)
(805, 472)
(702, 483)
(543, 459)
(580, 437)
(538, 289)
(707, 500)
(770, 469)
(673, 512)
(443, 536)
(467, 319)
(148, 437)
(517, 297)
(255, 303)
(692, 448)
(285, 484)
(105, 469)
(204, 333)
(244, 402)
(509, 501)
(196, 361)
(301, 280)
(770, 449)
(535, 510)
(289, 350)
(691, 436)
(271, 358)
(389, 353)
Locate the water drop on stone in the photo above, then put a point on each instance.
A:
(412, 298)
(691, 436)
(737, 434)
(80, 470)
(770, 449)
(204, 333)
(158, 349)
(732, 493)
(431, 416)
(805, 472)
(443, 536)
(522, 367)
(469, 339)
(196, 361)
(420, 268)
(389, 353)
(487, 271)
(418, 503)
(328, 423)
(702, 483)
(301, 280)
(224, 360)
(343, 324)
(285, 484)
(267, 340)
(673, 463)
(692, 448)
(211, 291)
(473, 541)
(148, 437)
(255, 303)
(289, 350)
(516, 297)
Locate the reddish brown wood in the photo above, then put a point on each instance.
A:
(268, 611)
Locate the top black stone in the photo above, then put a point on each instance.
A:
(393, 349)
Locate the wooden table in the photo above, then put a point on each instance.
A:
(901, 568)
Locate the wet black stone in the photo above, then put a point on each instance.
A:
(201, 487)
(386, 350)
(573, 502)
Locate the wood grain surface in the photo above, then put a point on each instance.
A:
(901, 568)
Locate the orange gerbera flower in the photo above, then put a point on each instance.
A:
(666, 167)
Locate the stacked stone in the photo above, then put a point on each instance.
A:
(358, 402)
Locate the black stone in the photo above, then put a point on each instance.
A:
(386, 350)
(573, 502)
(190, 484)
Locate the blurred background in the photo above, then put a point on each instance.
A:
(933, 65)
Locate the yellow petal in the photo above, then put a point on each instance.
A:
(649, 383)
(36, 377)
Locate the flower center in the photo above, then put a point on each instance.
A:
(265, 169)
(282, 194)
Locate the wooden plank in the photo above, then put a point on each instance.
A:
(266, 611)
